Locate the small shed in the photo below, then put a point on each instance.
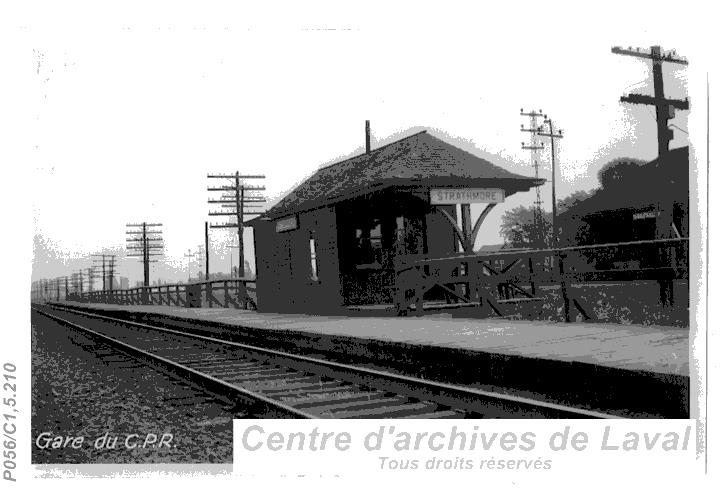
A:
(650, 201)
(628, 209)
(332, 241)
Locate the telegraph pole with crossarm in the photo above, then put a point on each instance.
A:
(145, 238)
(665, 110)
(236, 197)
(106, 265)
(552, 135)
(189, 255)
(535, 146)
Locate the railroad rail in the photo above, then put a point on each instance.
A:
(298, 386)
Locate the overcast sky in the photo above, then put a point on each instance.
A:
(132, 107)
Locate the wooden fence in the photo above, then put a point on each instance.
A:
(498, 280)
(214, 293)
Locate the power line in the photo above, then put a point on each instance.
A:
(679, 128)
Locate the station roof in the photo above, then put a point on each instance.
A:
(419, 160)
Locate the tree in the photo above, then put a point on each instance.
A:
(574, 231)
(620, 172)
(573, 198)
(519, 228)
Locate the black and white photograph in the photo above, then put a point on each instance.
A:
(378, 217)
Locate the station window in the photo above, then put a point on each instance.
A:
(313, 259)
(375, 240)
(369, 244)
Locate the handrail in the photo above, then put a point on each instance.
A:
(172, 285)
(405, 262)
(178, 293)
(417, 274)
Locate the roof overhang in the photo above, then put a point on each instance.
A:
(511, 186)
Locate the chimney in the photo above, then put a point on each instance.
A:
(368, 136)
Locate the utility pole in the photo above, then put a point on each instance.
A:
(111, 271)
(146, 238)
(241, 194)
(535, 146)
(553, 135)
(665, 110)
(231, 259)
(101, 267)
(200, 253)
(189, 255)
(67, 292)
(91, 277)
(207, 253)
(106, 265)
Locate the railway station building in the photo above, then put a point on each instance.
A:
(332, 241)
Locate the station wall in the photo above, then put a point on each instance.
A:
(440, 237)
(285, 281)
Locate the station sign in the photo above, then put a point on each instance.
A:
(287, 224)
(467, 195)
(645, 215)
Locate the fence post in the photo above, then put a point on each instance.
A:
(564, 291)
(532, 277)
(242, 289)
(419, 292)
(475, 272)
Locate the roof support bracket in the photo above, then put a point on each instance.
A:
(454, 224)
(479, 222)
(467, 236)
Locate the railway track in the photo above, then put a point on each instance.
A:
(291, 385)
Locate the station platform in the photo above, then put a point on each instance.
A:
(630, 369)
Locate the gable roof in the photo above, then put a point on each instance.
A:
(417, 160)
